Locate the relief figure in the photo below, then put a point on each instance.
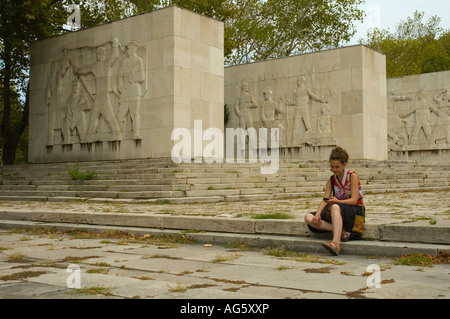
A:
(399, 129)
(302, 98)
(75, 119)
(325, 125)
(101, 69)
(398, 137)
(55, 100)
(131, 76)
(244, 106)
(441, 129)
(270, 115)
(422, 109)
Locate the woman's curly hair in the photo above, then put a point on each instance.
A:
(339, 154)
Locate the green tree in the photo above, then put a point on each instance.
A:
(262, 29)
(415, 47)
(21, 22)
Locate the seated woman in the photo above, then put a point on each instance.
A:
(341, 211)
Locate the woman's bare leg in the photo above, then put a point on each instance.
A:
(337, 223)
(323, 225)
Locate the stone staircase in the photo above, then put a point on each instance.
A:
(162, 181)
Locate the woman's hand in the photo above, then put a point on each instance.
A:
(317, 220)
(332, 200)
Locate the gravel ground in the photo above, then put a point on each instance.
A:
(408, 206)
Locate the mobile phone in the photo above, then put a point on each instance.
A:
(325, 198)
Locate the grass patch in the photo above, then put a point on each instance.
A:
(423, 260)
(279, 252)
(221, 258)
(237, 245)
(178, 288)
(181, 288)
(323, 270)
(18, 258)
(76, 175)
(273, 216)
(23, 275)
(106, 236)
(283, 267)
(160, 256)
(97, 271)
(94, 290)
(76, 259)
(282, 252)
(203, 269)
(145, 278)
(106, 242)
(102, 264)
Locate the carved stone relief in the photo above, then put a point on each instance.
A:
(244, 105)
(423, 123)
(399, 128)
(302, 97)
(441, 130)
(55, 99)
(272, 108)
(272, 116)
(74, 122)
(93, 101)
(244, 110)
(130, 79)
(325, 126)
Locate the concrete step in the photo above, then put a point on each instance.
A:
(162, 179)
(137, 175)
(301, 244)
(390, 239)
(284, 168)
(419, 231)
(291, 243)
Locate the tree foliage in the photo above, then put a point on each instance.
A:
(261, 29)
(21, 22)
(285, 27)
(415, 47)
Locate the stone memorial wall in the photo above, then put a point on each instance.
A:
(316, 101)
(118, 90)
(121, 90)
(419, 117)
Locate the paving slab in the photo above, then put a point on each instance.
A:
(130, 269)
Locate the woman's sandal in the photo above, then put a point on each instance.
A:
(345, 236)
(332, 247)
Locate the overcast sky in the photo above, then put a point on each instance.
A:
(388, 13)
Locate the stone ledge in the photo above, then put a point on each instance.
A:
(309, 245)
(416, 232)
